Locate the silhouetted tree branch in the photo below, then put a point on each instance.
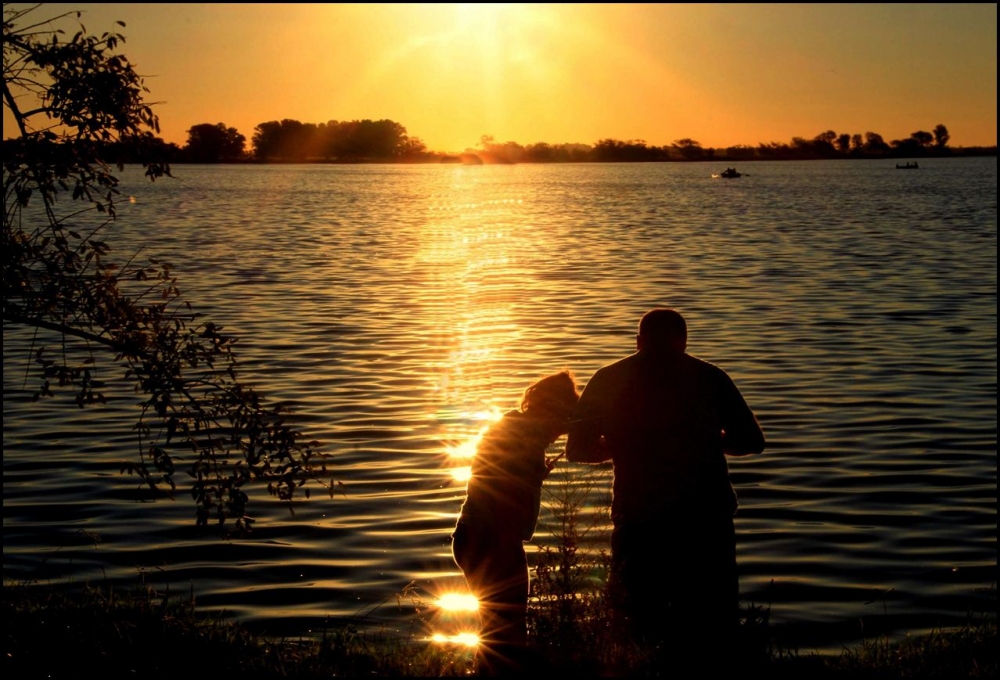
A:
(75, 102)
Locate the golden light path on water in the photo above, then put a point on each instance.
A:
(470, 259)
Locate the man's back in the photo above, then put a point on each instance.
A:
(662, 417)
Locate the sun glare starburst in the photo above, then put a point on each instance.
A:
(458, 602)
(465, 639)
(461, 474)
(466, 449)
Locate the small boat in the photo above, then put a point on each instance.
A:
(729, 173)
(908, 166)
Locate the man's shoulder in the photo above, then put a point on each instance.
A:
(615, 371)
(714, 376)
(705, 366)
(623, 364)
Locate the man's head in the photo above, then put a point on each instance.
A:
(662, 330)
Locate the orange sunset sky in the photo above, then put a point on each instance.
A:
(450, 73)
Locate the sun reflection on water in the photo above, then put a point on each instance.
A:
(465, 449)
(469, 256)
(461, 474)
(455, 619)
(458, 602)
(464, 639)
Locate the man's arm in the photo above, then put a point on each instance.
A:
(585, 441)
(741, 433)
(584, 446)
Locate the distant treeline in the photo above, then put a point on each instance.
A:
(826, 145)
(386, 141)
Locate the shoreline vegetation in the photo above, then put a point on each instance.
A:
(117, 633)
(386, 141)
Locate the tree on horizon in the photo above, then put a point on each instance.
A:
(209, 143)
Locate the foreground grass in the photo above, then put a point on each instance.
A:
(52, 633)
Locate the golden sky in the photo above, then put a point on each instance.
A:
(565, 73)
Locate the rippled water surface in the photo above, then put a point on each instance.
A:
(394, 306)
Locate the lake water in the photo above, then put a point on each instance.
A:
(395, 307)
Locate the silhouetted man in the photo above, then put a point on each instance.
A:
(667, 420)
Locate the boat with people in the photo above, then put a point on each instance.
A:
(729, 173)
(908, 166)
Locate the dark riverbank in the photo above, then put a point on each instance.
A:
(116, 634)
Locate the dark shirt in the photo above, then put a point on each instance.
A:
(667, 421)
(504, 493)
